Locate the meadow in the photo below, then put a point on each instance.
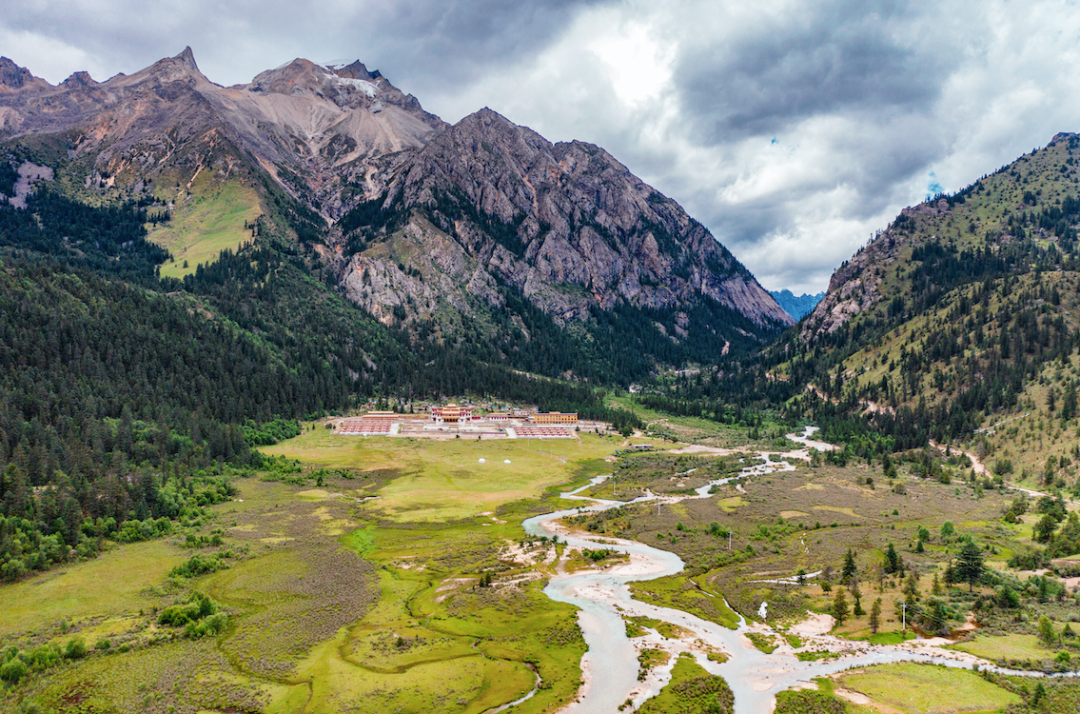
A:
(213, 216)
(383, 574)
(379, 589)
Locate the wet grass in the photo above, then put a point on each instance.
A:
(691, 689)
(1006, 647)
(684, 594)
(332, 608)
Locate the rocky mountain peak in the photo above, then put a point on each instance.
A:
(565, 225)
(354, 70)
(351, 86)
(81, 79)
(182, 67)
(188, 58)
(494, 207)
(14, 77)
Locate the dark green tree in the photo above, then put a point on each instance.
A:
(850, 567)
(892, 562)
(840, 607)
(969, 563)
(875, 616)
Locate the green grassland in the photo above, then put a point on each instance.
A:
(691, 689)
(912, 688)
(336, 602)
(1008, 647)
(113, 586)
(206, 220)
(436, 480)
(389, 586)
(664, 427)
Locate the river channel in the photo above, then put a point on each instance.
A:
(610, 665)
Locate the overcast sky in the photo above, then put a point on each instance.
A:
(793, 130)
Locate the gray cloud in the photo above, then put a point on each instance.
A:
(839, 56)
(423, 39)
(793, 130)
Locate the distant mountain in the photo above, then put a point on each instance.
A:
(798, 307)
(482, 233)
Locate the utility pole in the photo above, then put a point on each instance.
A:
(904, 616)
(729, 539)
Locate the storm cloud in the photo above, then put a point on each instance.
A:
(792, 130)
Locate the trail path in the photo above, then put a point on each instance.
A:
(980, 468)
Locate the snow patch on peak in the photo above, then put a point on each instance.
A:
(339, 63)
(367, 88)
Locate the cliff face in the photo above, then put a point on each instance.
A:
(312, 128)
(565, 224)
(421, 218)
(859, 284)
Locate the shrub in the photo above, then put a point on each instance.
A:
(75, 649)
(196, 608)
(13, 670)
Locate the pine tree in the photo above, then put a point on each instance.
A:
(840, 607)
(969, 564)
(875, 616)
(892, 560)
(911, 587)
(850, 568)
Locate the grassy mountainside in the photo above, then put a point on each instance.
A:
(209, 219)
(954, 318)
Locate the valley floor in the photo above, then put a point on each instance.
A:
(394, 575)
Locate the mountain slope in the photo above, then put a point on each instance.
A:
(963, 313)
(564, 224)
(483, 232)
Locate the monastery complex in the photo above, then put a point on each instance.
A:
(456, 421)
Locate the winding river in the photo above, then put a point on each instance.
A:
(610, 664)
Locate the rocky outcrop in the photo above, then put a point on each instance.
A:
(477, 208)
(566, 225)
(313, 128)
(856, 286)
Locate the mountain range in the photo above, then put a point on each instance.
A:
(470, 232)
(322, 205)
(798, 306)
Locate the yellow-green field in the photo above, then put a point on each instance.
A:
(210, 220)
(112, 585)
(1007, 647)
(926, 689)
(444, 479)
(336, 602)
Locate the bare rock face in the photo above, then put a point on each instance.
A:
(478, 208)
(566, 225)
(302, 123)
(856, 286)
